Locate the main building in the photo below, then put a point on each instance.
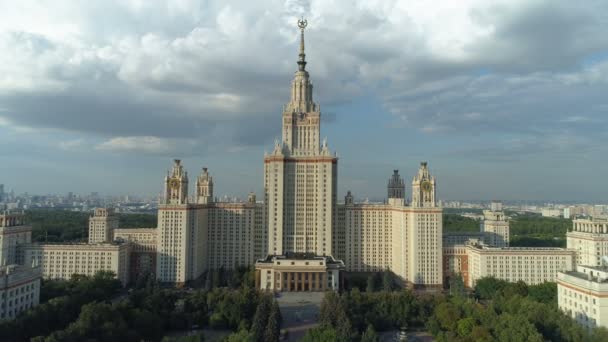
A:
(300, 225)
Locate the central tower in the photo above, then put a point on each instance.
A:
(300, 175)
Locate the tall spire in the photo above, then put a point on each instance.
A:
(302, 23)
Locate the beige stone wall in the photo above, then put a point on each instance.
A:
(19, 290)
(176, 224)
(232, 229)
(531, 265)
(61, 261)
(496, 228)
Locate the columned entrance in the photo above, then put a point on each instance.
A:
(292, 281)
(298, 273)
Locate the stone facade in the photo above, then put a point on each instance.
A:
(513, 264)
(102, 225)
(19, 278)
(143, 243)
(589, 238)
(495, 226)
(298, 272)
(63, 260)
(583, 295)
(19, 290)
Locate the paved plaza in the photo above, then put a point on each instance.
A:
(300, 311)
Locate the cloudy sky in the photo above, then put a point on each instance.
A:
(504, 99)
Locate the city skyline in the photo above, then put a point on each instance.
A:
(498, 112)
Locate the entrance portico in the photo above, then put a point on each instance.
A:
(298, 272)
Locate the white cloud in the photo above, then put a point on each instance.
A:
(71, 145)
(67, 64)
(151, 145)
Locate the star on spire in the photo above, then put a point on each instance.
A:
(302, 23)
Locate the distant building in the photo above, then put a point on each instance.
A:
(589, 238)
(583, 295)
(63, 260)
(298, 272)
(19, 280)
(19, 289)
(513, 264)
(455, 257)
(13, 233)
(495, 226)
(102, 225)
(142, 258)
(551, 212)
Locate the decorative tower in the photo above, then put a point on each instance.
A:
(495, 226)
(300, 175)
(102, 225)
(204, 188)
(176, 185)
(349, 198)
(424, 258)
(301, 116)
(181, 244)
(251, 199)
(396, 189)
(423, 188)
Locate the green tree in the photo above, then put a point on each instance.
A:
(260, 319)
(543, 293)
(457, 285)
(447, 315)
(512, 328)
(273, 327)
(387, 281)
(465, 326)
(369, 335)
(371, 283)
(489, 287)
(329, 307)
(240, 336)
(320, 334)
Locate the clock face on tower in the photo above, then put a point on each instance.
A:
(426, 186)
(174, 183)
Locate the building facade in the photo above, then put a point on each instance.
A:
(589, 238)
(300, 175)
(298, 272)
(513, 264)
(102, 225)
(495, 226)
(302, 214)
(583, 295)
(63, 260)
(143, 242)
(19, 278)
(13, 233)
(19, 289)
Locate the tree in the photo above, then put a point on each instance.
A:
(387, 281)
(215, 278)
(329, 307)
(489, 287)
(543, 293)
(447, 314)
(371, 283)
(320, 334)
(273, 327)
(465, 326)
(369, 335)
(260, 318)
(512, 328)
(241, 336)
(457, 285)
(343, 325)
